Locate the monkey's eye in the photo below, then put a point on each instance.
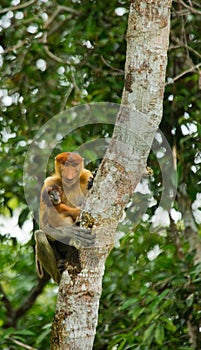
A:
(51, 196)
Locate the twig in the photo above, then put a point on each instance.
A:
(76, 87)
(54, 57)
(194, 51)
(70, 10)
(180, 13)
(51, 18)
(190, 8)
(180, 46)
(14, 8)
(66, 97)
(109, 65)
(183, 73)
(47, 24)
(198, 5)
(22, 344)
(60, 9)
(15, 47)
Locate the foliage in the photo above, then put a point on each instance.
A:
(153, 300)
(57, 54)
(18, 281)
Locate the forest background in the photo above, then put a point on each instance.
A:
(60, 54)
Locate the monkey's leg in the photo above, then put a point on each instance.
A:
(45, 257)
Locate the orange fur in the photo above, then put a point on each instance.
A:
(72, 179)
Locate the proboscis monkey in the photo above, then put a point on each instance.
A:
(62, 197)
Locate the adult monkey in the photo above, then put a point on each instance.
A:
(52, 241)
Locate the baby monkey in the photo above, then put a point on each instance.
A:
(58, 213)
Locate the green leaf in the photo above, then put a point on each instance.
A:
(6, 334)
(122, 344)
(24, 332)
(148, 333)
(152, 316)
(128, 303)
(137, 312)
(159, 334)
(190, 300)
(169, 325)
(42, 336)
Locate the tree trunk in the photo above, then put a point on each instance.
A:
(139, 116)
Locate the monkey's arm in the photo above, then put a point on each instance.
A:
(68, 211)
(48, 257)
(70, 235)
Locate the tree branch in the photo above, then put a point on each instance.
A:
(54, 57)
(12, 314)
(66, 97)
(183, 73)
(190, 8)
(111, 67)
(180, 46)
(18, 7)
(17, 342)
(46, 25)
(60, 9)
(28, 303)
(15, 47)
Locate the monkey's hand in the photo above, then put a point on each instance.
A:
(90, 183)
(91, 179)
(70, 235)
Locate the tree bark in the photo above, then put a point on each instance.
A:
(76, 316)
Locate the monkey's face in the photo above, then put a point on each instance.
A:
(55, 196)
(52, 195)
(70, 172)
(68, 166)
